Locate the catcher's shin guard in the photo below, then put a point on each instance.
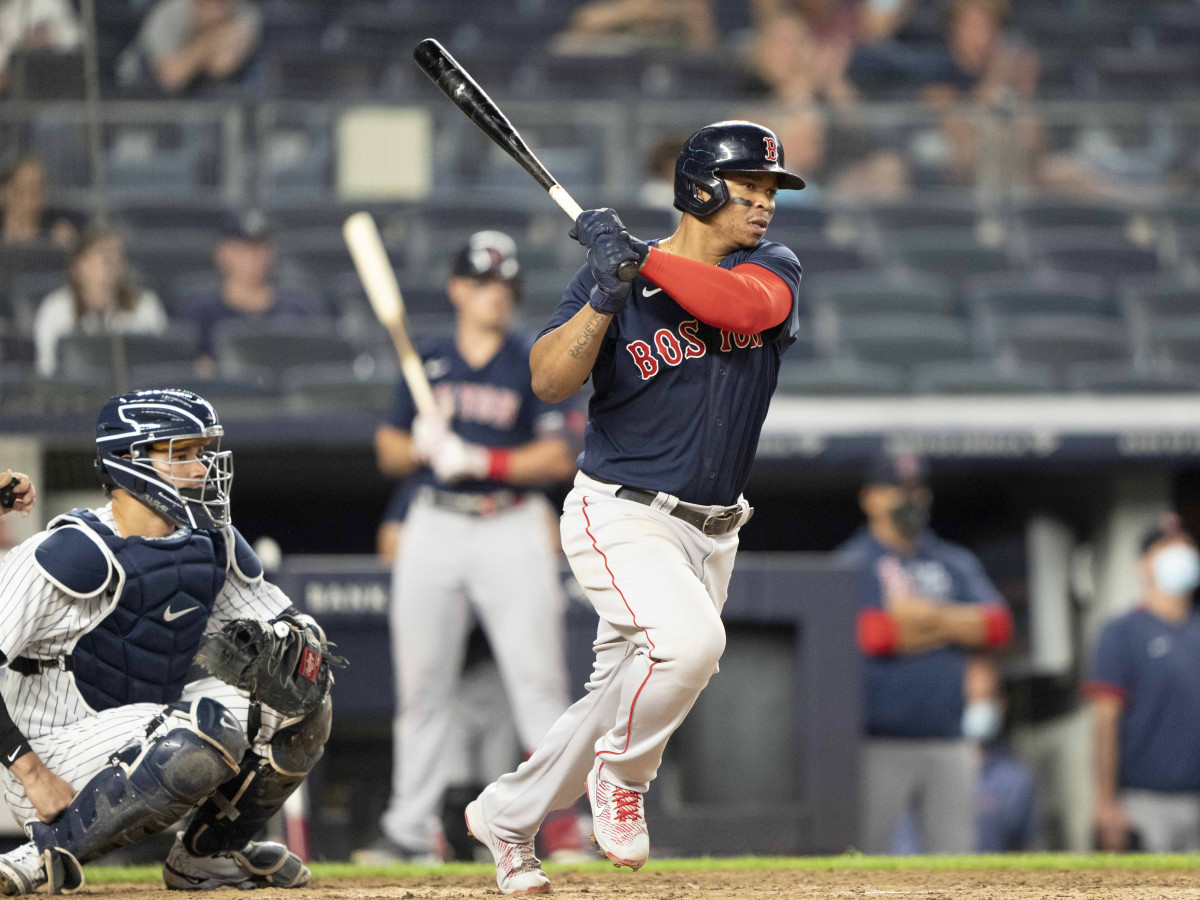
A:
(142, 793)
(240, 807)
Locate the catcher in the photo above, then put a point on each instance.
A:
(106, 734)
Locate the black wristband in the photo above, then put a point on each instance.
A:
(13, 744)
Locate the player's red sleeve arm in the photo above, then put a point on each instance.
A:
(878, 632)
(997, 625)
(746, 299)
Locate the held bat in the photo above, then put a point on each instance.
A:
(445, 71)
(379, 281)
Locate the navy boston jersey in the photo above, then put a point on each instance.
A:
(493, 406)
(918, 695)
(678, 405)
(1153, 667)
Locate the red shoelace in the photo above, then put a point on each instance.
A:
(627, 803)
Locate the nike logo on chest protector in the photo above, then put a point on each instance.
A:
(170, 615)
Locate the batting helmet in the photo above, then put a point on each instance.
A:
(130, 423)
(732, 146)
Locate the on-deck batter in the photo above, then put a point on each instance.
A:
(475, 543)
(104, 737)
(683, 362)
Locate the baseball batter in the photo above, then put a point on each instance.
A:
(476, 540)
(104, 738)
(683, 362)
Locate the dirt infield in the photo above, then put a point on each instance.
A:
(1126, 884)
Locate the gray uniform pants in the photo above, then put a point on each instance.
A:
(451, 569)
(1168, 823)
(937, 777)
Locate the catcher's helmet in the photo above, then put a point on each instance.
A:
(732, 146)
(127, 426)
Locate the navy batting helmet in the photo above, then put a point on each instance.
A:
(732, 146)
(125, 430)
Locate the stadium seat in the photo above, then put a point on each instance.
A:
(249, 394)
(952, 252)
(1039, 291)
(910, 214)
(1134, 377)
(1170, 294)
(903, 339)
(1094, 253)
(1145, 73)
(982, 377)
(841, 377)
(336, 388)
(1176, 338)
(818, 254)
(94, 355)
(1061, 340)
(278, 345)
(1049, 212)
(875, 291)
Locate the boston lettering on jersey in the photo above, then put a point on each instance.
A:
(494, 405)
(678, 405)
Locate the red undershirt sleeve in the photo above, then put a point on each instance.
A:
(745, 300)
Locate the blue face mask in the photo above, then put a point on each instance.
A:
(1176, 569)
(982, 720)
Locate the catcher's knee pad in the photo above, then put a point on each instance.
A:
(145, 790)
(240, 807)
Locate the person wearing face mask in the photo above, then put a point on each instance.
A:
(1008, 819)
(927, 606)
(1144, 689)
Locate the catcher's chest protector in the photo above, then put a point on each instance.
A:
(142, 650)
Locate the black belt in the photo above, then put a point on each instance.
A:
(27, 665)
(711, 524)
(475, 504)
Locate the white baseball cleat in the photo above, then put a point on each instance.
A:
(22, 870)
(262, 864)
(518, 870)
(619, 820)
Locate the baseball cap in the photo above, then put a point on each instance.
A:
(488, 254)
(1166, 527)
(248, 225)
(896, 469)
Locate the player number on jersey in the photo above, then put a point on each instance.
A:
(674, 348)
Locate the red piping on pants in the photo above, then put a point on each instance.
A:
(653, 663)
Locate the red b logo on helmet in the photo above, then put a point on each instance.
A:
(772, 149)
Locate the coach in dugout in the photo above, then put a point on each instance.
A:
(1144, 688)
(927, 605)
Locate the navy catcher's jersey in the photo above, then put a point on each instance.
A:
(678, 404)
(494, 406)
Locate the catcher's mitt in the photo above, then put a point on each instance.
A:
(282, 664)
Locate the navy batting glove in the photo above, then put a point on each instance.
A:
(605, 257)
(594, 222)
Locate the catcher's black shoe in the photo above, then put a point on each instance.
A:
(260, 864)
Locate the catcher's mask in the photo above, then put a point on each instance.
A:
(130, 424)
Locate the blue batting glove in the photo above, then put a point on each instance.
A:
(604, 259)
(594, 222)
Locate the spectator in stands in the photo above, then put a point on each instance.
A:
(846, 162)
(248, 288)
(182, 42)
(35, 25)
(611, 26)
(99, 296)
(927, 605)
(1145, 692)
(23, 198)
(794, 63)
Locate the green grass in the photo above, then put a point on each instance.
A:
(847, 862)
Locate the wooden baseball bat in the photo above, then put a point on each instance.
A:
(379, 281)
(464, 92)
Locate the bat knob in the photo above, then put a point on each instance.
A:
(628, 270)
